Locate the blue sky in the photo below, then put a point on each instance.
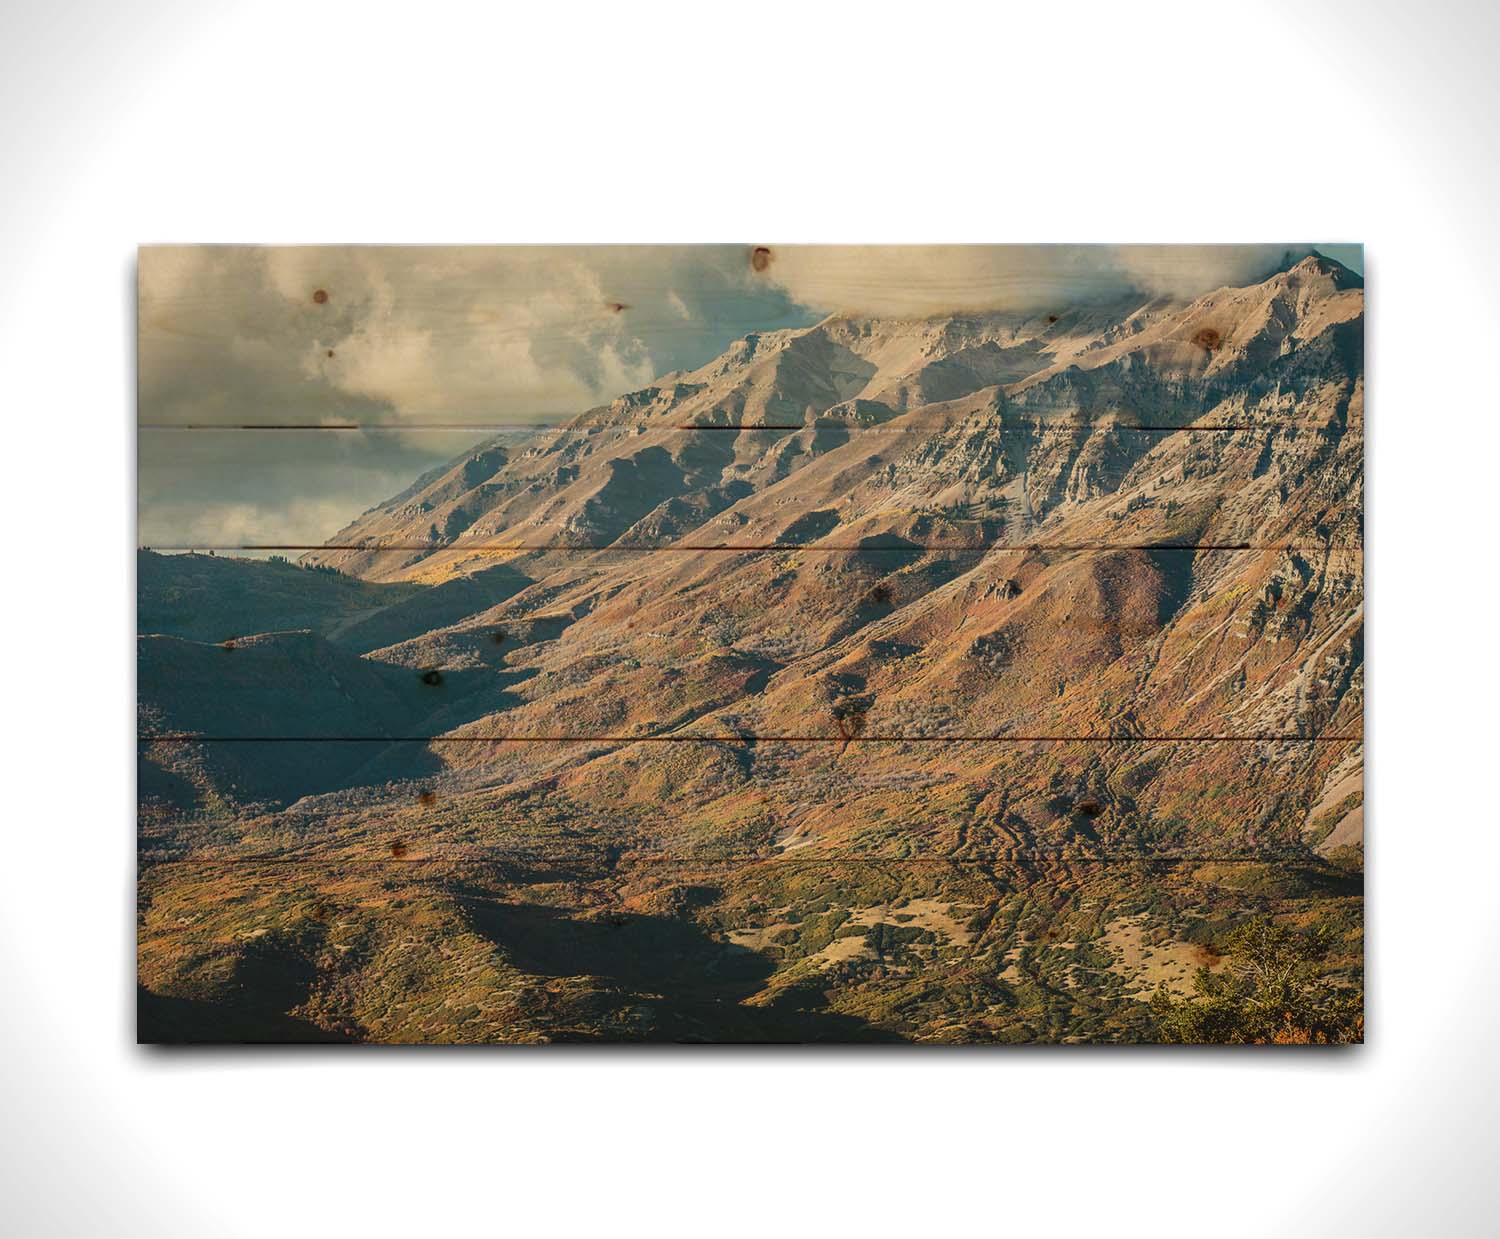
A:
(1352, 256)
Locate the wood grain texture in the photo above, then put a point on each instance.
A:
(972, 483)
(545, 644)
(603, 801)
(464, 951)
(922, 644)
(1094, 350)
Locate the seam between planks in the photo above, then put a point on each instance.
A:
(741, 548)
(1123, 858)
(735, 428)
(841, 741)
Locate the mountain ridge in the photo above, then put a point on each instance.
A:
(618, 466)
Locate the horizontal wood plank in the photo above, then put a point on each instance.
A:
(598, 802)
(969, 486)
(923, 644)
(1237, 354)
(494, 951)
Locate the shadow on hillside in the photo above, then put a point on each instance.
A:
(436, 607)
(179, 778)
(161, 1019)
(659, 978)
(269, 978)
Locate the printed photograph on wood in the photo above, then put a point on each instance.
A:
(751, 643)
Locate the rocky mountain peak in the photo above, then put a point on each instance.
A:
(827, 415)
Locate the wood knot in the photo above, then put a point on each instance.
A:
(228, 646)
(849, 718)
(398, 848)
(498, 636)
(760, 258)
(1209, 340)
(320, 297)
(1052, 318)
(433, 678)
(330, 352)
(615, 307)
(427, 798)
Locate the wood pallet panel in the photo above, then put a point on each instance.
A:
(622, 643)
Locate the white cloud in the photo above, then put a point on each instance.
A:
(404, 336)
(500, 334)
(920, 280)
(1186, 271)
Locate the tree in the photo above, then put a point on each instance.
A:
(1274, 991)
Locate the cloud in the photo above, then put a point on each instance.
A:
(228, 488)
(920, 280)
(405, 337)
(412, 334)
(1187, 271)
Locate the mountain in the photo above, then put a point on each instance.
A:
(946, 679)
(209, 598)
(1004, 411)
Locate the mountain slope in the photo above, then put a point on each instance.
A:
(929, 592)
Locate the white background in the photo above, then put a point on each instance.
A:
(762, 122)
